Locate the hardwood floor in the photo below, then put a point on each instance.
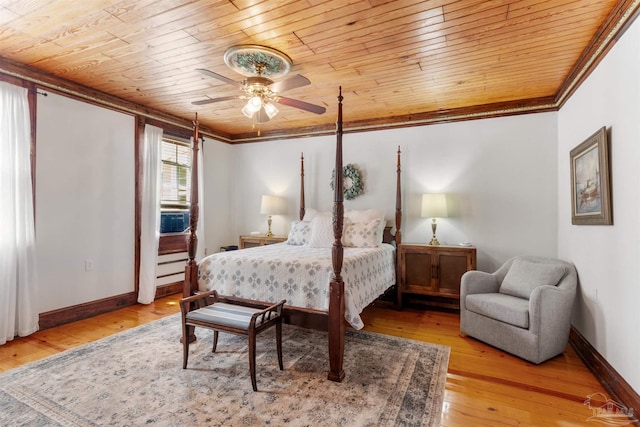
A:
(54, 340)
(485, 387)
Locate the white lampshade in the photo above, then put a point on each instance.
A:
(434, 206)
(272, 205)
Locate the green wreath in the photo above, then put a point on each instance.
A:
(352, 184)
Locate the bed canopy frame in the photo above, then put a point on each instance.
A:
(335, 321)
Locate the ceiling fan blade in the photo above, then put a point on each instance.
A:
(296, 103)
(290, 83)
(212, 100)
(219, 77)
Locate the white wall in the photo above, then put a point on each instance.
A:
(85, 202)
(500, 175)
(219, 184)
(606, 257)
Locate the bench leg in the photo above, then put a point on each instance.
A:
(185, 346)
(279, 343)
(252, 359)
(215, 340)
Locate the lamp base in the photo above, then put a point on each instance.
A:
(434, 241)
(269, 233)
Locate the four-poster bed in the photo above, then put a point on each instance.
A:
(336, 302)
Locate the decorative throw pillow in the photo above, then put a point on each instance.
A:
(321, 232)
(380, 231)
(300, 233)
(524, 276)
(366, 216)
(360, 235)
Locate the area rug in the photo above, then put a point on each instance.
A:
(136, 378)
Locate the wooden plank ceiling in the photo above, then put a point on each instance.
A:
(398, 62)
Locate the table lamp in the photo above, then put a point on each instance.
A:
(271, 205)
(434, 206)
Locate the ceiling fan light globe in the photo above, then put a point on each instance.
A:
(247, 112)
(254, 104)
(270, 109)
(262, 116)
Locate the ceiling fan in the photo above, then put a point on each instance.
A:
(258, 64)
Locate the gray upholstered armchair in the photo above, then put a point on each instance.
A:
(524, 308)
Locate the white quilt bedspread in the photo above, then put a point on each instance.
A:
(301, 275)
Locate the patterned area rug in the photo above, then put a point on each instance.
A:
(136, 378)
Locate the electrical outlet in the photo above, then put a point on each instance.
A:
(88, 264)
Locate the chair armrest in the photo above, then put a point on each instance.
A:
(198, 299)
(478, 282)
(550, 307)
(268, 313)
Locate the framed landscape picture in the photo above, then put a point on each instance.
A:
(590, 181)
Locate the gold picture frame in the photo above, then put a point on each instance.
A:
(590, 181)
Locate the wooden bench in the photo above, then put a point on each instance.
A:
(206, 310)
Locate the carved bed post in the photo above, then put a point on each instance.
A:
(191, 270)
(302, 208)
(398, 235)
(336, 287)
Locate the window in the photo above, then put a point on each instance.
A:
(176, 185)
(176, 174)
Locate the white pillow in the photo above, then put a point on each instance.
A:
(363, 216)
(361, 235)
(310, 213)
(321, 232)
(300, 233)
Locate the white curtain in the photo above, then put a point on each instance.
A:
(200, 228)
(18, 278)
(150, 215)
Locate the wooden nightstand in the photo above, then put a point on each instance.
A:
(252, 241)
(434, 271)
